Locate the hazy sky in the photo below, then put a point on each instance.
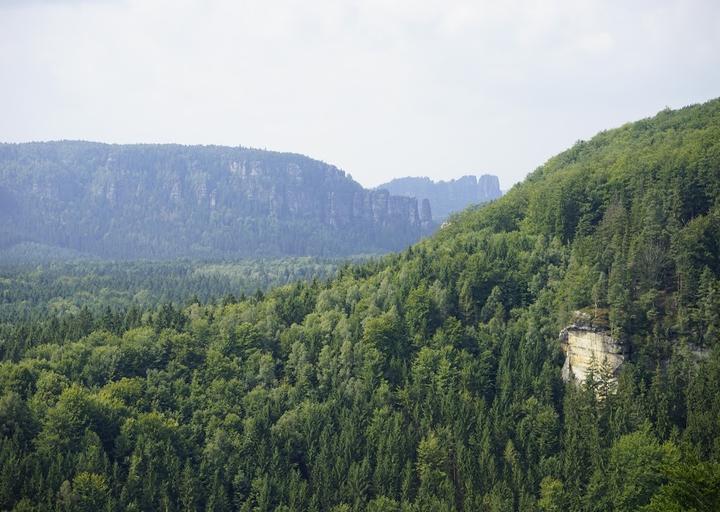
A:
(380, 88)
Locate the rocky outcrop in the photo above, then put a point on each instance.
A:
(590, 348)
(488, 186)
(447, 197)
(426, 212)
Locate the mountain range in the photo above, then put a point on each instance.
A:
(168, 201)
(447, 197)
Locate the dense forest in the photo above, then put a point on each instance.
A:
(31, 292)
(428, 380)
(74, 199)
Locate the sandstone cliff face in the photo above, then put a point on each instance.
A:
(426, 212)
(589, 347)
(447, 197)
(488, 186)
(190, 201)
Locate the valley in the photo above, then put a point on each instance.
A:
(429, 378)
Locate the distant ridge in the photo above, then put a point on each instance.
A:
(447, 197)
(168, 201)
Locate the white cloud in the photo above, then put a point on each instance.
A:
(381, 88)
(598, 42)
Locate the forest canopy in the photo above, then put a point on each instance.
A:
(426, 380)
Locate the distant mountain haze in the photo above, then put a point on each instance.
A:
(167, 201)
(447, 197)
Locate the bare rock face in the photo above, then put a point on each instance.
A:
(488, 187)
(425, 211)
(167, 201)
(590, 348)
(447, 197)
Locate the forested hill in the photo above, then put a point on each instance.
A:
(167, 201)
(430, 380)
(447, 197)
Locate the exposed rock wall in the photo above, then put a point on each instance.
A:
(586, 347)
(447, 197)
(125, 201)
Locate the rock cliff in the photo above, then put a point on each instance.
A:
(590, 347)
(147, 201)
(447, 197)
(585, 348)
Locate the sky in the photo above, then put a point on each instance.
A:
(379, 88)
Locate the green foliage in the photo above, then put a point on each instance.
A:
(89, 493)
(426, 380)
(552, 495)
(59, 302)
(634, 469)
(690, 487)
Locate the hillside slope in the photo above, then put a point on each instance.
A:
(168, 201)
(428, 380)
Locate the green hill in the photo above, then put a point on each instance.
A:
(428, 380)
